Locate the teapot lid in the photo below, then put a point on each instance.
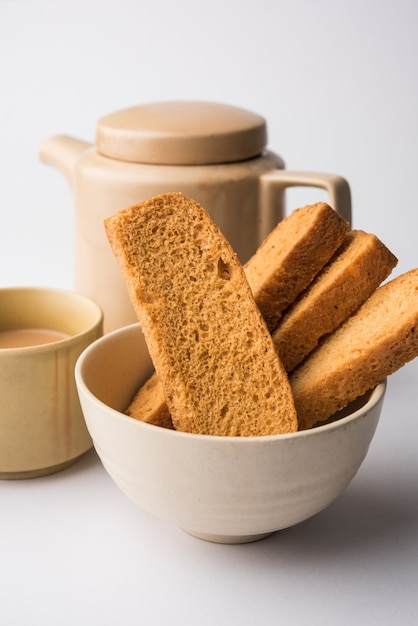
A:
(181, 133)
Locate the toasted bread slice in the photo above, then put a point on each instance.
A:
(291, 256)
(287, 261)
(210, 346)
(149, 404)
(378, 339)
(359, 266)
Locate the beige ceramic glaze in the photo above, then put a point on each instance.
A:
(223, 489)
(42, 429)
(213, 153)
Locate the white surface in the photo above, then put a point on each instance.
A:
(337, 83)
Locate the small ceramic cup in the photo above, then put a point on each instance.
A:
(42, 429)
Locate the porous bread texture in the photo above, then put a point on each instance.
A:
(373, 343)
(211, 349)
(358, 267)
(291, 256)
(287, 260)
(149, 404)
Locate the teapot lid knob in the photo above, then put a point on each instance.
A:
(181, 133)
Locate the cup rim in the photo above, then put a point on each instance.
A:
(95, 308)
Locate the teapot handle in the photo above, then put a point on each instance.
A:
(274, 182)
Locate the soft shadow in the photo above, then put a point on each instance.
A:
(364, 519)
(85, 463)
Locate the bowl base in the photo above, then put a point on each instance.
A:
(228, 538)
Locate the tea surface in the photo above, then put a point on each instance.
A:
(21, 337)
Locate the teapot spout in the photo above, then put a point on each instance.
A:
(62, 152)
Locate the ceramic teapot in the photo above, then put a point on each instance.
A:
(213, 153)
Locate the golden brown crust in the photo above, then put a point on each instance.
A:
(209, 344)
(373, 343)
(291, 256)
(359, 266)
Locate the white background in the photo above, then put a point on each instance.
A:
(337, 82)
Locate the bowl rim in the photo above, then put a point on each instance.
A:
(376, 396)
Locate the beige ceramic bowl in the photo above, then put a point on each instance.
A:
(223, 489)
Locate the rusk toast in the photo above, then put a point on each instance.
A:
(210, 346)
(291, 256)
(287, 261)
(378, 339)
(360, 265)
(149, 404)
